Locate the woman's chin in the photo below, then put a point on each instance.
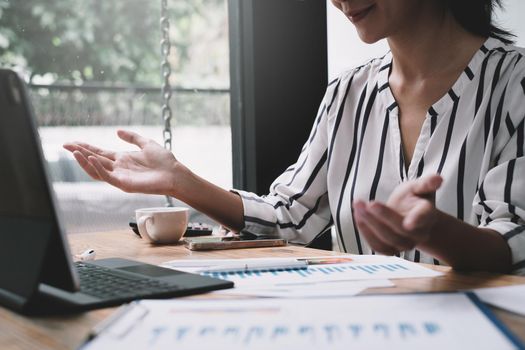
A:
(369, 38)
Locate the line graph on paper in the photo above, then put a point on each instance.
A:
(383, 268)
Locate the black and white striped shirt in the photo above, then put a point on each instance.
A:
(473, 136)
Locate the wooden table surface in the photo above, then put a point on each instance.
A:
(68, 332)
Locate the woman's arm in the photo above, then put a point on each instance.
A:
(155, 170)
(296, 208)
(222, 206)
(467, 247)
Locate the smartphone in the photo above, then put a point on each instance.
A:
(235, 242)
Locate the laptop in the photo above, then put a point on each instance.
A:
(37, 274)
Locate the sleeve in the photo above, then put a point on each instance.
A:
(296, 207)
(500, 201)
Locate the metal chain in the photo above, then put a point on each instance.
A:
(165, 47)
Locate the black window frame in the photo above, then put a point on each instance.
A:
(278, 75)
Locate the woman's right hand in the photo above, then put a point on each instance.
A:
(152, 169)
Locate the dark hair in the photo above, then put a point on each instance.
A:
(476, 16)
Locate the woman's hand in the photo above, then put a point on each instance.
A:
(405, 221)
(151, 170)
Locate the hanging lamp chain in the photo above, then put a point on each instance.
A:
(165, 48)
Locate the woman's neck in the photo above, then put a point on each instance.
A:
(432, 46)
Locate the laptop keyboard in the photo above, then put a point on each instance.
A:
(104, 283)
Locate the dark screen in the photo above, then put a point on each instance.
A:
(31, 245)
(22, 187)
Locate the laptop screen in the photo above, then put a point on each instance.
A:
(31, 244)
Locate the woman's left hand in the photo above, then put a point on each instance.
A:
(405, 221)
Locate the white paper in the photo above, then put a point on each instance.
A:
(296, 292)
(417, 321)
(308, 290)
(362, 267)
(510, 298)
(360, 273)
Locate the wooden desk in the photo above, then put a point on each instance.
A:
(67, 332)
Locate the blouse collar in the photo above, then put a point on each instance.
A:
(468, 74)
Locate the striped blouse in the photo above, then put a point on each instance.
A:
(473, 136)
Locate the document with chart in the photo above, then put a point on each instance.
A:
(410, 321)
(330, 268)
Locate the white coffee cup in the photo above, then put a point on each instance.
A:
(162, 225)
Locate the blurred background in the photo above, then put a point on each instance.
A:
(93, 67)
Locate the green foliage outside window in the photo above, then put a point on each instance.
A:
(117, 43)
(97, 40)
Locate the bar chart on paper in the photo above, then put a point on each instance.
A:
(417, 321)
(375, 268)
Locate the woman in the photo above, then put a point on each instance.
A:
(416, 153)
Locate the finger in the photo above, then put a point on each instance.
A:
(427, 184)
(386, 233)
(78, 146)
(388, 226)
(107, 163)
(387, 215)
(419, 217)
(71, 147)
(103, 173)
(98, 151)
(375, 243)
(86, 165)
(133, 138)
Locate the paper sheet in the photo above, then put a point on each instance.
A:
(510, 298)
(199, 264)
(416, 321)
(362, 267)
(308, 290)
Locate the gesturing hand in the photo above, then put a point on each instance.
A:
(405, 221)
(149, 170)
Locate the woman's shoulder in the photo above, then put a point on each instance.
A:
(360, 75)
(517, 61)
(510, 57)
(369, 68)
(505, 79)
(498, 45)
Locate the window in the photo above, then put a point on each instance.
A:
(94, 66)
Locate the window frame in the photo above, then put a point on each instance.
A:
(278, 75)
